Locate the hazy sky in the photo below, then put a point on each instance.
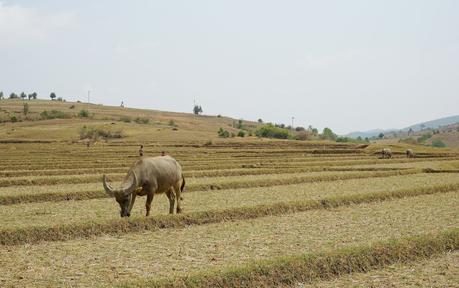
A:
(348, 65)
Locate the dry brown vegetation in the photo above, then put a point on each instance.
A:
(256, 212)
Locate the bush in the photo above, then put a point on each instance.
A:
(14, 119)
(240, 124)
(25, 109)
(424, 138)
(303, 135)
(72, 107)
(343, 139)
(269, 131)
(95, 133)
(142, 120)
(438, 143)
(54, 114)
(125, 119)
(83, 113)
(172, 123)
(241, 133)
(223, 133)
(408, 140)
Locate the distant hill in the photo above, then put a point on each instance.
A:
(433, 124)
(369, 133)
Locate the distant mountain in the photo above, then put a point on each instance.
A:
(369, 133)
(433, 124)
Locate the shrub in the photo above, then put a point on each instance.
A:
(343, 139)
(54, 114)
(408, 140)
(240, 124)
(424, 138)
(125, 119)
(14, 119)
(241, 133)
(219, 116)
(25, 109)
(95, 133)
(438, 143)
(269, 131)
(303, 135)
(83, 113)
(172, 123)
(142, 120)
(223, 133)
(233, 135)
(72, 107)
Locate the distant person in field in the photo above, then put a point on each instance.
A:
(141, 151)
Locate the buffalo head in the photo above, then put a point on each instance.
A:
(123, 195)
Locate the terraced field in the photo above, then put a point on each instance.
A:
(256, 213)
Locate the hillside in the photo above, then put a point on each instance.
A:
(135, 124)
(433, 124)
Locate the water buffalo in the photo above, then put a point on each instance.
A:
(386, 153)
(149, 176)
(409, 153)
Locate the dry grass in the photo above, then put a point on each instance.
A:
(12, 195)
(437, 272)
(51, 231)
(171, 253)
(285, 271)
(49, 213)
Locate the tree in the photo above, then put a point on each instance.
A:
(52, 95)
(328, 134)
(197, 109)
(1, 95)
(33, 95)
(381, 135)
(13, 96)
(23, 95)
(260, 120)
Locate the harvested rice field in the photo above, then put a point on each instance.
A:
(256, 213)
(438, 272)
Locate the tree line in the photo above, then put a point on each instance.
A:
(30, 96)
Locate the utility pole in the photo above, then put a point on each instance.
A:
(292, 125)
(89, 95)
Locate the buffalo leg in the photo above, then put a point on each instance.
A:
(148, 203)
(171, 196)
(179, 197)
